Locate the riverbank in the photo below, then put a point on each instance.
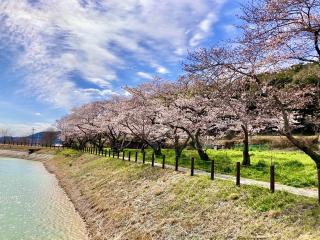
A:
(124, 200)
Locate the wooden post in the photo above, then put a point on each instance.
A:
(118, 154)
(177, 164)
(163, 161)
(272, 178)
(212, 169)
(136, 157)
(143, 157)
(192, 166)
(238, 174)
(123, 155)
(112, 154)
(96, 151)
(129, 156)
(109, 152)
(152, 160)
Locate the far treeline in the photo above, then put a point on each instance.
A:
(266, 80)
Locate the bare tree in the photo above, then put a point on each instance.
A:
(5, 133)
(49, 136)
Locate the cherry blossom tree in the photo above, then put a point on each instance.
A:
(140, 115)
(190, 110)
(117, 136)
(287, 31)
(231, 74)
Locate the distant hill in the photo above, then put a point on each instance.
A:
(40, 138)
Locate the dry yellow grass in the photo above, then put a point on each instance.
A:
(122, 200)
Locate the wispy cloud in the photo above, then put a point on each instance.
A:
(99, 39)
(144, 75)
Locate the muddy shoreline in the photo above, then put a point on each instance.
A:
(70, 192)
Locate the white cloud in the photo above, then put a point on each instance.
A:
(204, 28)
(38, 114)
(162, 70)
(98, 39)
(144, 75)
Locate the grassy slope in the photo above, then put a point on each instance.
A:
(293, 168)
(122, 200)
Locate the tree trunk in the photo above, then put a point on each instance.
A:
(312, 154)
(245, 153)
(198, 146)
(157, 150)
(178, 151)
(203, 155)
(318, 174)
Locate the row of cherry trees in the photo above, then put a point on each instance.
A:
(224, 88)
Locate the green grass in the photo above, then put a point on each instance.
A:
(292, 168)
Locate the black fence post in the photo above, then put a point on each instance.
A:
(105, 153)
(238, 174)
(152, 160)
(112, 154)
(118, 156)
(96, 151)
(177, 164)
(143, 157)
(129, 156)
(212, 169)
(123, 154)
(136, 157)
(163, 161)
(109, 152)
(192, 166)
(272, 178)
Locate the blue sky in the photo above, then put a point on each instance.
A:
(57, 54)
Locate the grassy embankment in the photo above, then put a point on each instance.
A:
(125, 200)
(293, 167)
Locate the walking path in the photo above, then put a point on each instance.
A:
(313, 193)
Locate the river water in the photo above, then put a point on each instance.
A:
(33, 206)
